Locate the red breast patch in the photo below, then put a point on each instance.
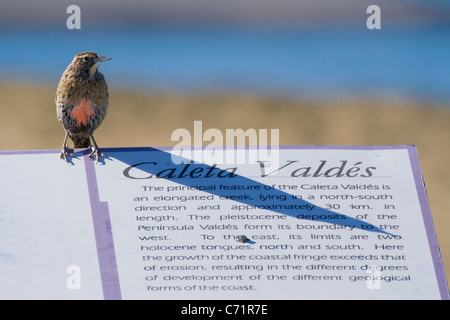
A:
(82, 112)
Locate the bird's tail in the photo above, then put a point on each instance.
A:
(81, 141)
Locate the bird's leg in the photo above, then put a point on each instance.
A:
(65, 150)
(95, 152)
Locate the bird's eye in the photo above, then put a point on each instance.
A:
(86, 58)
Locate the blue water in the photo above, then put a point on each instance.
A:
(411, 63)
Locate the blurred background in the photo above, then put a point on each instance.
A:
(311, 69)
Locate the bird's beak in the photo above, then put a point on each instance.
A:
(101, 59)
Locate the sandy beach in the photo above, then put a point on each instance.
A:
(147, 119)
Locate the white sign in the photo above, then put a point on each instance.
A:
(327, 222)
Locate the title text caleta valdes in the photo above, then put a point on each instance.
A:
(293, 168)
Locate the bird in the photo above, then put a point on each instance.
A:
(82, 102)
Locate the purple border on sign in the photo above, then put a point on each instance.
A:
(428, 221)
(43, 151)
(104, 237)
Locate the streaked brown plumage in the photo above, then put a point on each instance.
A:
(82, 101)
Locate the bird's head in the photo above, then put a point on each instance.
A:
(87, 62)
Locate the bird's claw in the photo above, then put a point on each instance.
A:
(65, 154)
(96, 153)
